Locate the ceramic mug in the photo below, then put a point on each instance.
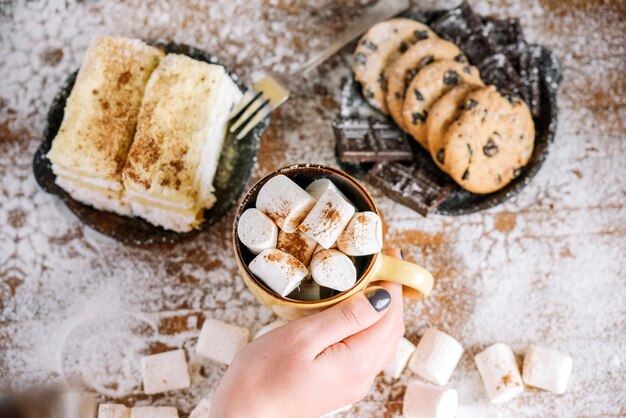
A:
(370, 268)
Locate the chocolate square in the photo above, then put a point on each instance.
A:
(368, 140)
(412, 185)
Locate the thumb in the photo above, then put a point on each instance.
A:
(346, 318)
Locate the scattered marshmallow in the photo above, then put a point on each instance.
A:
(153, 412)
(404, 350)
(257, 231)
(436, 356)
(298, 244)
(77, 405)
(547, 369)
(111, 410)
(220, 341)
(202, 410)
(465, 411)
(320, 186)
(165, 371)
(280, 271)
(285, 202)
(343, 409)
(269, 327)
(333, 269)
(328, 218)
(308, 289)
(422, 400)
(498, 369)
(363, 235)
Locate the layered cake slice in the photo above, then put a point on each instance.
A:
(170, 167)
(89, 151)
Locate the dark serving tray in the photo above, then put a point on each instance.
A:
(234, 169)
(460, 201)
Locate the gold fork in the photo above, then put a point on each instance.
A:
(272, 90)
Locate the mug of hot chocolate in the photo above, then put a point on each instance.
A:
(309, 236)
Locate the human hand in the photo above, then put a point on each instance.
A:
(317, 364)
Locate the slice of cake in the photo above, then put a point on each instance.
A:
(181, 129)
(89, 151)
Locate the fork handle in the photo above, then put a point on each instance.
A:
(384, 9)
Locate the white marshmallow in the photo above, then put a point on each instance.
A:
(498, 369)
(363, 235)
(111, 410)
(328, 218)
(280, 271)
(319, 187)
(404, 351)
(333, 269)
(422, 400)
(308, 289)
(202, 410)
(269, 327)
(76, 405)
(165, 371)
(284, 202)
(465, 411)
(153, 412)
(436, 356)
(344, 408)
(298, 244)
(257, 231)
(547, 369)
(220, 341)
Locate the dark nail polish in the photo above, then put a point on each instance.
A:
(379, 298)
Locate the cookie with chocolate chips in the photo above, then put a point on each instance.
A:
(445, 111)
(401, 72)
(382, 44)
(430, 83)
(490, 142)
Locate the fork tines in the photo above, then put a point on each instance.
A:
(257, 103)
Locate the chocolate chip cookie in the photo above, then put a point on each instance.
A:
(400, 73)
(382, 44)
(490, 142)
(443, 112)
(430, 83)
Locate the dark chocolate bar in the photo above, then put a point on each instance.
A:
(498, 70)
(368, 140)
(465, 28)
(412, 185)
(506, 34)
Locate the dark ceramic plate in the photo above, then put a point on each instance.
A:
(460, 201)
(233, 172)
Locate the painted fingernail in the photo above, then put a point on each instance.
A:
(378, 297)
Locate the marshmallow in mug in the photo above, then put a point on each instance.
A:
(257, 231)
(328, 218)
(298, 244)
(333, 269)
(286, 203)
(499, 372)
(318, 187)
(363, 235)
(280, 271)
(425, 400)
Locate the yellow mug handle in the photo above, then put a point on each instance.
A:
(408, 274)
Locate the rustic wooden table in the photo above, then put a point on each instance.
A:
(545, 268)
